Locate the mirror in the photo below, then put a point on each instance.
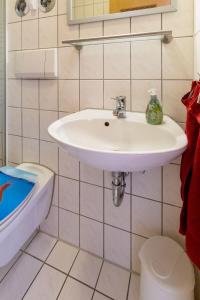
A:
(84, 11)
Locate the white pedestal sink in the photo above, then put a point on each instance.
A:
(99, 139)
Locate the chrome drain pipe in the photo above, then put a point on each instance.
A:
(118, 187)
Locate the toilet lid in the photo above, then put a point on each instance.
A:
(18, 192)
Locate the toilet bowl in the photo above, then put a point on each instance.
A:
(166, 271)
(20, 225)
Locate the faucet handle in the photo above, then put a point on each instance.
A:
(120, 102)
(119, 98)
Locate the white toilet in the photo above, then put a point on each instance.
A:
(166, 271)
(19, 227)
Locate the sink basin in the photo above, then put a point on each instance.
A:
(99, 139)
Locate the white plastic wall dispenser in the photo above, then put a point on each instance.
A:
(36, 64)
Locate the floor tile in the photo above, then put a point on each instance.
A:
(74, 290)
(19, 278)
(98, 296)
(62, 256)
(41, 246)
(4, 270)
(46, 285)
(86, 268)
(113, 281)
(134, 287)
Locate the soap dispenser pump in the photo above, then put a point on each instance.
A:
(154, 112)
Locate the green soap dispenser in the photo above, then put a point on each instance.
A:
(154, 112)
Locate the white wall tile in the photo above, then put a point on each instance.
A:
(118, 26)
(30, 94)
(91, 175)
(146, 59)
(148, 184)
(11, 65)
(46, 119)
(146, 23)
(91, 94)
(14, 92)
(30, 150)
(14, 149)
(14, 36)
(49, 94)
(68, 165)
(176, 21)
(172, 185)
(171, 222)
(196, 16)
(55, 192)
(91, 62)
(69, 227)
(69, 194)
(48, 32)
(141, 224)
(114, 66)
(178, 59)
(117, 246)
(62, 7)
(117, 216)
(14, 121)
(30, 34)
(91, 29)
(49, 155)
(30, 120)
(91, 236)
(68, 58)
(91, 201)
(65, 31)
(69, 95)
(50, 225)
(173, 91)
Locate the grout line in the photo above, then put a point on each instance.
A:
(67, 275)
(15, 262)
(97, 279)
(129, 283)
(43, 262)
(79, 164)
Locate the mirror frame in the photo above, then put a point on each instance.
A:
(141, 12)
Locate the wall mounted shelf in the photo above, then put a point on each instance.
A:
(165, 36)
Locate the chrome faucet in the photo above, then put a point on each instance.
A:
(120, 110)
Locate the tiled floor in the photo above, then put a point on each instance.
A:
(48, 269)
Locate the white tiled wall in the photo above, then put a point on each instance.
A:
(82, 211)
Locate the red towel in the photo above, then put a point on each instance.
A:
(190, 177)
